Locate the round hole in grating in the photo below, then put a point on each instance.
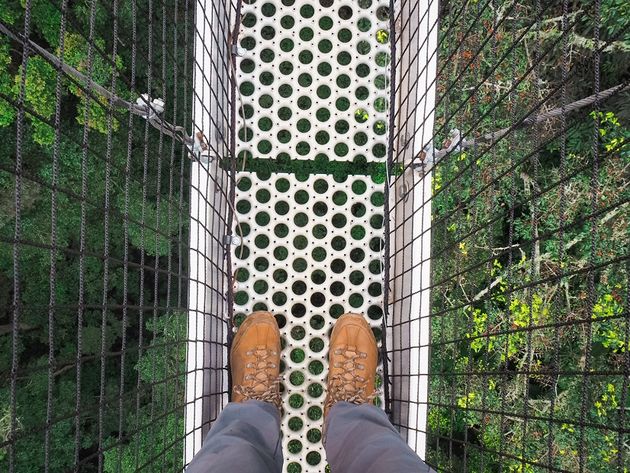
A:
(242, 274)
(300, 242)
(268, 32)
(247, 66)
(345, 12)
(339, 198)
(282, 185)
(361, 115)
(323, 91)
(357, 232)
(316, 345)
(380, 127)
(266, 78)
(325, 23)
(294, 446)
(313, 458)
(267, 55)
(376, 244)
(265, 124)
(317, 322)
(382, 13)
(315, 390)
(280, 253)
(262, 218)
(336, 311)
(281, 207)
(259, 306)
(342, 126)
(315, 367)
(338, 266)
(344, 59)
(299, 265)
(375, 267)
(264, 146)
(297, 355)
(382, 59)
(324, 69)
(261, 263)
(365, 3)
(377, 333)
(361, 93)
(303, 125)
(249, 111)
(295, 424)
(318, 299)
(314, 435)
(319, 254)
(320, 209)
(242, 229)
(296, 378)
(286, 45)
(320, 186)
(305, 57)
(243, 206)
(268, 9)
(322, 137)
(294, 467)
(249, 20)
(248, 43)
(360, 139)
(279, 298)
(359, 160)
(344, 35)
(338, 243)
(380, 104)
(265, 101)
(337, 288)
(298, 310)
(286, 67)
(363, 47)
(355, 300)
(241, 298)
(323, 114)
(339, 220)
(376, 221)
(357, 255)
(359, 187)
(307, 11)
(343, 81)
(301, 197)
(375, 289)
(305, 80)
(281, 230)
(261, 241)
(325, 46)
(363, 70)
(303, 148)
(285, 90)
(356, 277)
(304, 103)
(314, 413)
(261, 286)
(319, 231)
(239, 319)
(382, 36)
(282, 321)
(379, 150)
(375, 312)
(298, 332)
(318, 276)
(342, 104)
(287, 21)
(301, 219)
(358, 210)
(364, 24)
(288, 3)
(377, 199)
(263, 196)
(298, 287)
(242, 252)
(341, 149)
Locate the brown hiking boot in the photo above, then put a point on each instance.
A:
(255, 360)
(353, 358)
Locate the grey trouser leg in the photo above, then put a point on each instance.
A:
(245, 438)
(360, 439)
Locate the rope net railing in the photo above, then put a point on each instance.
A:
(113, 117)
(141, 141)
(510, 153)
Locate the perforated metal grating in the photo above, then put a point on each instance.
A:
(312, 251)
(315, 81)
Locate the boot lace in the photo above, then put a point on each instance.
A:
(261, 378)
(348, 385)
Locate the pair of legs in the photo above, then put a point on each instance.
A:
(358, 436)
